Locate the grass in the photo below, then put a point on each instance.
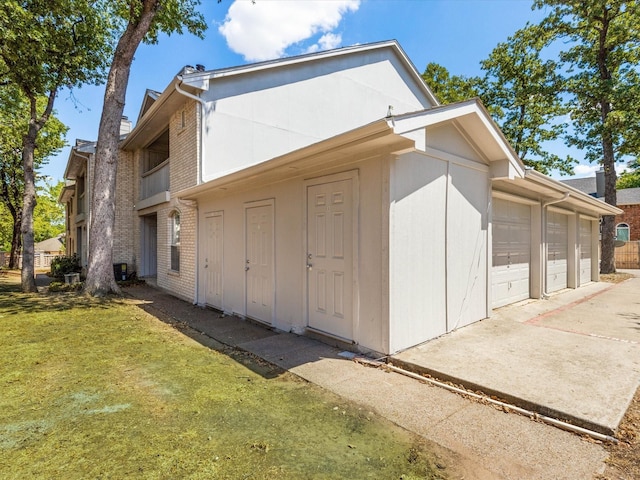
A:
(101, 389)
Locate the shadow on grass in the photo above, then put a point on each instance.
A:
(14, 302)
(254, 363)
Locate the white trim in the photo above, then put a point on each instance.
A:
(450, 157)
(513, 198)
(562, 211)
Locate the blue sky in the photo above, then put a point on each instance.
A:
(457, 34)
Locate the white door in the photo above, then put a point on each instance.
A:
(259, 266)
(511, 233)
(213, 256)
(585, 251)
(557, 248)
(330, 258)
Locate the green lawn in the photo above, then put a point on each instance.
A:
(101, 389)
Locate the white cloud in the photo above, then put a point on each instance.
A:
(265, 29)
(589, 170)
(585, 170)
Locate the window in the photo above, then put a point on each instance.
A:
(175, 241)
(622, 232)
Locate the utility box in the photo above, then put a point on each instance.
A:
(120, 271)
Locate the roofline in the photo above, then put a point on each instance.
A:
(473, 105)
(296, 59)
(374, 130)
(200, 80)
(602, 207)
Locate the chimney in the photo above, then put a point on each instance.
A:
(600, 183)
(125, 126)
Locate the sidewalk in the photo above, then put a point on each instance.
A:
(574, 357)
(490, 443)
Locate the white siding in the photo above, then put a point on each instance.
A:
(417, 269)
(467, 223)
(254, 117)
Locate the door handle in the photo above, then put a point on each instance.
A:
(246, 269)
(309, 266)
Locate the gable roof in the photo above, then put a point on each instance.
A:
(150, 96)
(54, 244)
(156, 113)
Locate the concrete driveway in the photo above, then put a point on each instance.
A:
(574, 356)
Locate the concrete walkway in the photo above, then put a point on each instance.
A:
(565, 336)
(574, 357)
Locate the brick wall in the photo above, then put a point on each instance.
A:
(123, 250)
(631, 217)
(183, 147)
(183, 173)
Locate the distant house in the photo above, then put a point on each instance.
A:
(331, 194)
(628, 200)
(51, 246)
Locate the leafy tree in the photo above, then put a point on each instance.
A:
(600, 56)
(139, 20)
(630, 178)
(14, 121)
(525, 93)
(451, 88)
(48, 216)
(521, 91)
(47, 46)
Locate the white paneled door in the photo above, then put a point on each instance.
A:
(213, 256)
(557, 249)
(259, 264)
(585, 251)
(330, 257)
(511, 234)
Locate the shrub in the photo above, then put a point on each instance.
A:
(65, 264)
(65, 287)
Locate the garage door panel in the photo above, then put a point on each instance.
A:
(511, 252)
(585, 251)
(557, 250)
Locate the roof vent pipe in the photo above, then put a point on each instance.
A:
(199, 67)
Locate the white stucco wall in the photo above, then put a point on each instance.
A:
(256, 116)
(288, 198)
(438, 236)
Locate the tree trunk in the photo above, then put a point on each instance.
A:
(29, 203)
(100, 279)
(16, 244)
(608, 237)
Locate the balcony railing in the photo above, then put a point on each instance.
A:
(155, 180)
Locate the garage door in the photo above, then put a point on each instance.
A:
(511, 252)
(557, 243)
(585, 251)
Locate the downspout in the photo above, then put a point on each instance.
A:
(543, 220)
(201, 102)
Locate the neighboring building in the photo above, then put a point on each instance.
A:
(331, 194)
(51, 246)
(628, 200)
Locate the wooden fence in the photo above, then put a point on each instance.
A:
(628, 256)
(41, 260)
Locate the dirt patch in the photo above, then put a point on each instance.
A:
(615, 277)
(624, 458)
